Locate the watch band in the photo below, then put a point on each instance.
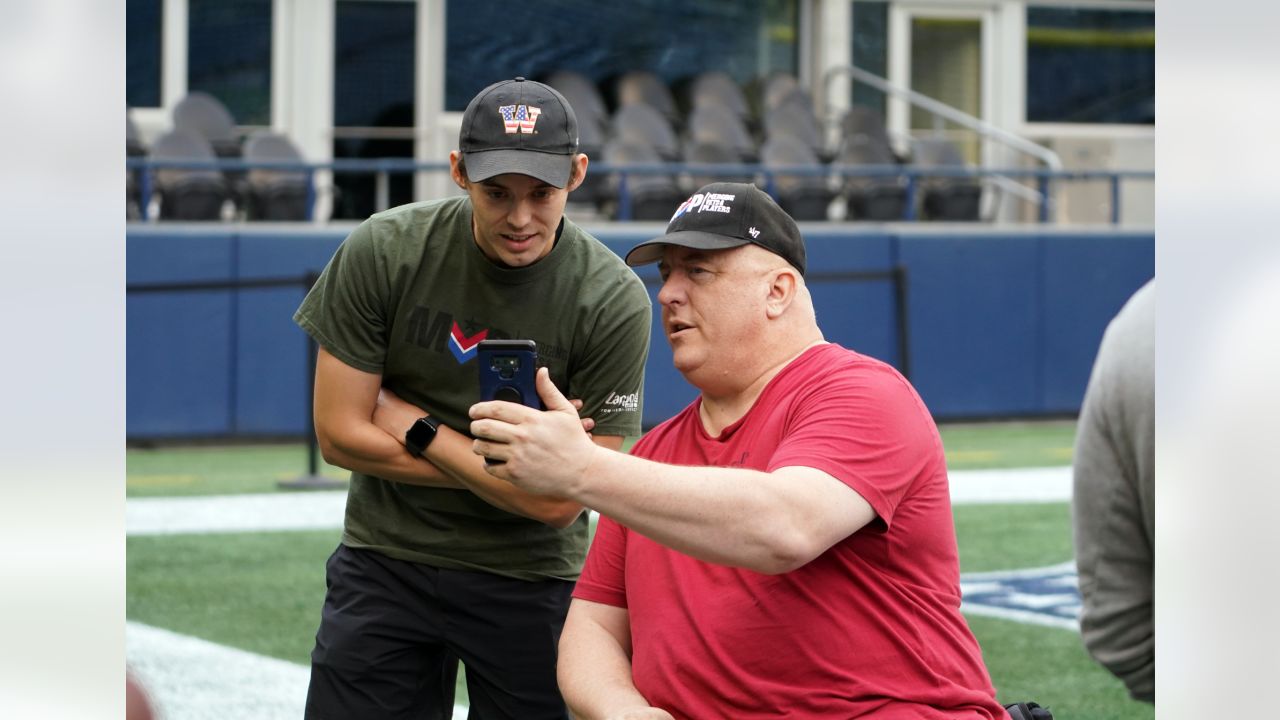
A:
(420, 434)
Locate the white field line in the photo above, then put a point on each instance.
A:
(323, 510)
(320, 510)
(193, 679)
(1012, 485)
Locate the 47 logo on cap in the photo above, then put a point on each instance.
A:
(519, 118)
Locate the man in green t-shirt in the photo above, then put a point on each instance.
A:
(439, 559)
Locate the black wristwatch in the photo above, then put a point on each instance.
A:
(420, 435)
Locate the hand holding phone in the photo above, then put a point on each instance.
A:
(507, 372)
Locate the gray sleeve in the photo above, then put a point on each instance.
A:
(1113, 501)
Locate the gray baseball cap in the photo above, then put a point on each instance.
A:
(519, 126)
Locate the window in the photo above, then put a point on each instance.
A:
(229, 55)
(870, 50)
(1090, 66)
(674, 39)
(373, 97)
(143, 23)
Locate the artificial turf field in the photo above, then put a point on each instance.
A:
(262, 591)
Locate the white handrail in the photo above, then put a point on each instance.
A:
(982, 127)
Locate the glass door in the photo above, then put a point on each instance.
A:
(943, 52)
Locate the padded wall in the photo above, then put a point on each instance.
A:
(1000, 323)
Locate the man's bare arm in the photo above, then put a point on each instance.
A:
(594, 665)
(345, 398)
(796, 513)
(451, 452)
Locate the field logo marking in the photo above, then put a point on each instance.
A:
(1047, 596)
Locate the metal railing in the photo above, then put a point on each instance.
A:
(938, 109)
(767, 176)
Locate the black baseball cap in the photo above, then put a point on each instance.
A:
(519, 126)
(726, 215)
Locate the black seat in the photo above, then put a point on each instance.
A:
(860, 120)
(794, 115)
(642, 86)
(187, 193)
(654, 196)
(700, 153)
(876, 197)
(274, 194)
(641, 124)
(593, 120)
(582, 94)
(591, 140)
(805, 196)
(133, 147)
(945, 197)
(205, 115)
(712, 123)
(716, 87)
(774, 88)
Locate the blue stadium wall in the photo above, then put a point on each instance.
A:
(999, 323)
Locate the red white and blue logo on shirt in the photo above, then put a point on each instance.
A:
(462, 346)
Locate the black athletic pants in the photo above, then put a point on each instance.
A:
(392, 632)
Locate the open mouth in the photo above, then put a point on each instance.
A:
(677, 327)
(519, 241)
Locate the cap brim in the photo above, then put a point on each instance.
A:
(550, 168)
(650, 251)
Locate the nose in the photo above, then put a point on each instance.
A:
(520, 214)
(671, 291)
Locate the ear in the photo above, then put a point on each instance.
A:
(455, 172)
(578, 173)
(782, 291)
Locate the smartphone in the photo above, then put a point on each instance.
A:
(507, 371)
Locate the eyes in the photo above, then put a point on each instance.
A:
(499, 194)
(693, 272)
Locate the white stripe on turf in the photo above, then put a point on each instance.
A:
(323, 510)
(193, 679)
(188, 678)
(1012, 485)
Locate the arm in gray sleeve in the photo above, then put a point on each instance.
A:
(1113, 503)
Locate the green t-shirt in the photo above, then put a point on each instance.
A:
(408, 296)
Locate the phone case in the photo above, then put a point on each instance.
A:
(507, 371)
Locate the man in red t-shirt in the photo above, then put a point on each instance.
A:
(784, 546)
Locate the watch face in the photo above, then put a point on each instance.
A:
(420, 435)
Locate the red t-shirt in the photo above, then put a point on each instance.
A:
(870, 629)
